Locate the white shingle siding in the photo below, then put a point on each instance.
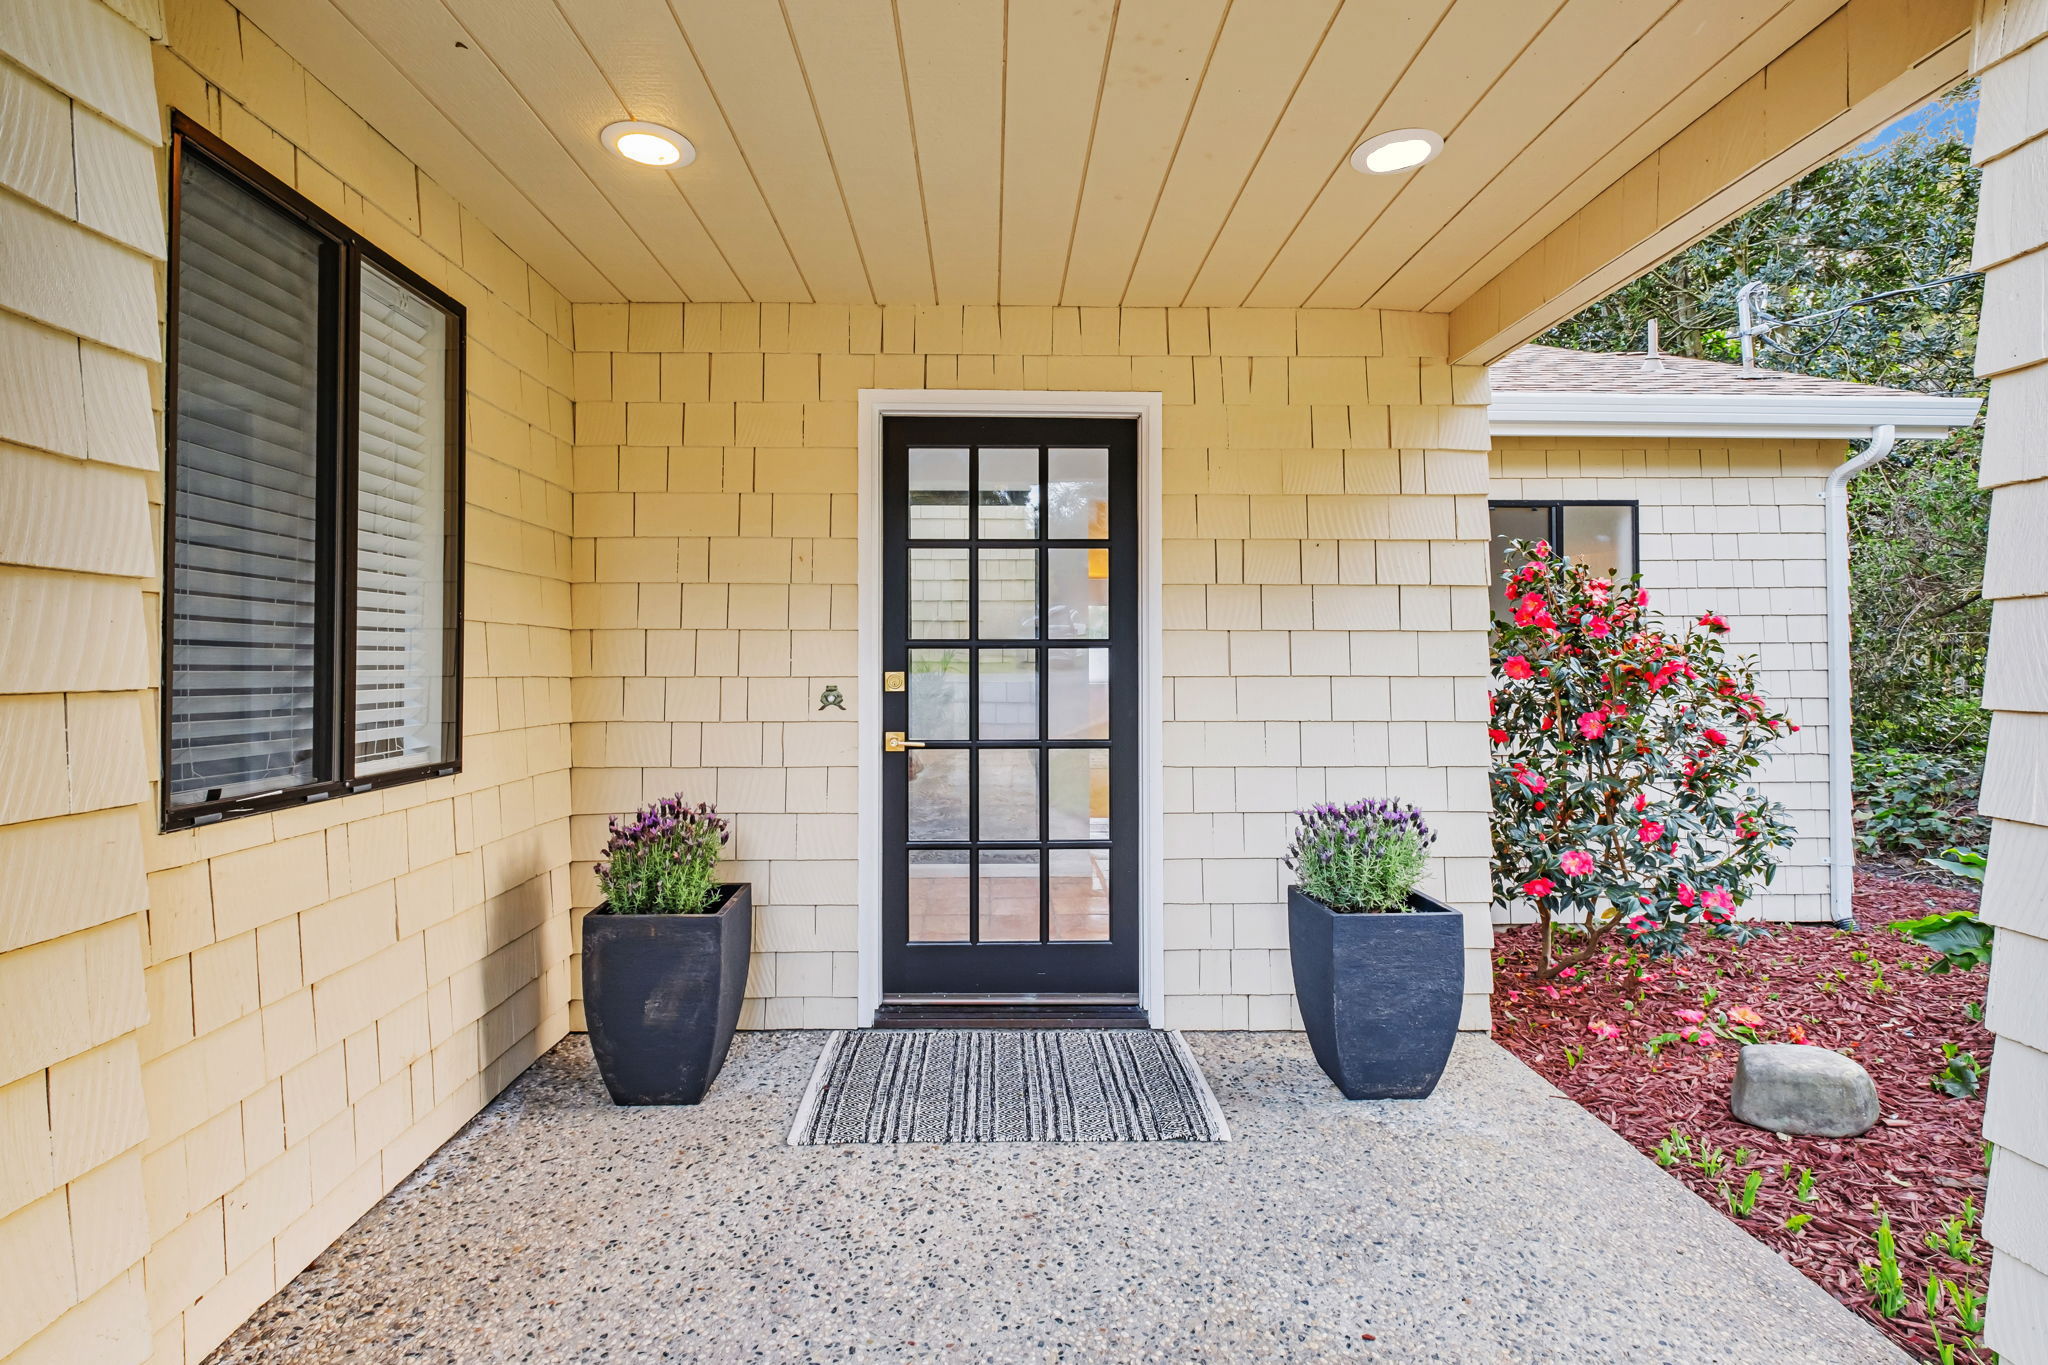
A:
(1733, 527)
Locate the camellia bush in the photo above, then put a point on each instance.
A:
(1623, 753)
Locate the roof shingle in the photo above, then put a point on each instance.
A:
(1554, 369)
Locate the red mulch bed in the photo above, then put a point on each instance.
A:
(1920, 1162)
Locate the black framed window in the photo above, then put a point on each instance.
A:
(1602, 534)
(312, 503)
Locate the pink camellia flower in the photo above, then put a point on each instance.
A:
(1743, 1014)
(1703, 1039)
(1533, 781)
(1642, 802)
(1650, 831)
(1718, 899)
(1686, 895)
(1576, 863)
(1716, 738)
(1691, 1016)
(1600, 1028)
(1538, 887)
(1643, 598)
(1497, 736)
(1592, 725)
(1541, 549)
(1515, 666)
(1714, 623)
(1599, 627)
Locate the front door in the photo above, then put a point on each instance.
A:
(1010, 857)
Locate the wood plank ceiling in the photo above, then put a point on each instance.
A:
(1093, 152)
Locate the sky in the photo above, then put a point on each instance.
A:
(1959, 118)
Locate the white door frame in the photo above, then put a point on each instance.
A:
(1147, 410)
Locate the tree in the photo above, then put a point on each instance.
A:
(1892, 216)
(1623, 751)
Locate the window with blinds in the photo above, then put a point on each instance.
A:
(312, 552)
(244, 627)
(401, 618)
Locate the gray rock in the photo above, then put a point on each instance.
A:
(1793, 1088)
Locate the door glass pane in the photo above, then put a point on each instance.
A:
(938, 795)
(938, 693)
(1009, 794)
(938, 895)
(938, 594)
(1009, 595)
(1078, 879)
(1009, 895)
(1077, 694)
(1009, 693)
(1077, 582)
(1600, 538)
(938, 493)
(1008, 496)
(1512, 523)
(1077, 494)
(1077, 782)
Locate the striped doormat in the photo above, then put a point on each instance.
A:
(1007, 1085)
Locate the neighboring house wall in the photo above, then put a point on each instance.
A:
(1733, 527)
(334, 990)
(2012, 229)
(1324, 600)
(80, 229)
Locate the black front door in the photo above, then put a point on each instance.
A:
(1009, 647)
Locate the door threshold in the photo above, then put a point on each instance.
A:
(1039, 1012)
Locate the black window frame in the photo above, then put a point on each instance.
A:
(344, 251)
(1555, 507)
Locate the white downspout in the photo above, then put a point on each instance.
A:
(1841, 804)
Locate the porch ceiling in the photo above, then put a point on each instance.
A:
(1137, 152)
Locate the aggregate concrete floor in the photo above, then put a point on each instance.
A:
(1495, 1221)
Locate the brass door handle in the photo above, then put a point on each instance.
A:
(893, 742)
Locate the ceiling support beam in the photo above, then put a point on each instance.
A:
(1867, 64)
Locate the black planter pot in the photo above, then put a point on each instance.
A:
(661, 996)
(1379, 995)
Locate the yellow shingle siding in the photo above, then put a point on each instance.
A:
(1324, 598)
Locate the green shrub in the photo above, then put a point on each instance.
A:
(1917, 803)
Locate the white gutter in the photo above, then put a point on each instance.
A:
(1727, 415)
(1841, 814)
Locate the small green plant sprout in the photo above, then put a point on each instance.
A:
(1796, 1221)
(1572, 1055)
(1709, 996)
(1973, 1010)
(1803, 1190)
(1962, 1078)
(1967, 863)
(1969, 1306)
(1742, 1156)
(1744, 1204)
(1859, 956)
(1878, 985)
(1674, 1148)
(1963, 940)
(1930, 1298)
(1954, 1240)
(1886, 1285)
(1658, 1043)
(1712, 1160)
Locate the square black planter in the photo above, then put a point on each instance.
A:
(662, 995)
(1379, 994)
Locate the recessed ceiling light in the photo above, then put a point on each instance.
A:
(650, 144)
(1401, 150)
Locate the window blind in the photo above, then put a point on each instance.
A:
(401, 621)
(245, 539)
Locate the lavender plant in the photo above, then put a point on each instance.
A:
(664, 861)
(1366, 856)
